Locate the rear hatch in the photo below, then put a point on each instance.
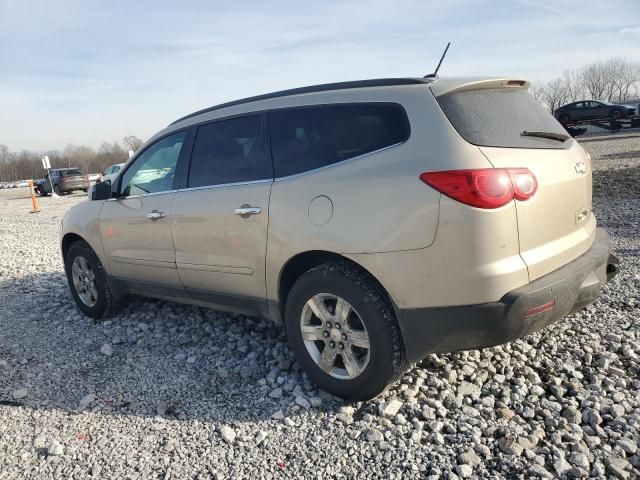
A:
(74, 178)
(556, 225)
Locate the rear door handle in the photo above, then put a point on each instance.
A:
(246, 210)
(155, 215)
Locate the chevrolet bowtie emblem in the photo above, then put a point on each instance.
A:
(581, 168)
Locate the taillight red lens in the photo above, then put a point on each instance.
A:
(524, 183)
(484, 188)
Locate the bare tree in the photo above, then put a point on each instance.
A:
(574, 84)
(555, 94)
(132, 142)
(537, 90)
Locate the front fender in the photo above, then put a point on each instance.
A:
(83, 220)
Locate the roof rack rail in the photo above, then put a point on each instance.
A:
(379, 82)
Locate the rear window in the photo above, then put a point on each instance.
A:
(497, 118)
(307, 138)
(71, 172)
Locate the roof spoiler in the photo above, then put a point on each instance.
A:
(444, 86)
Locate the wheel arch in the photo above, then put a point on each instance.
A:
(69, 239)
(304, 261)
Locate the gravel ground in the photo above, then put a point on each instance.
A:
(171, 391)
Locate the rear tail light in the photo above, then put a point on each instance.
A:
(484, 188)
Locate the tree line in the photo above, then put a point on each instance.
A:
(26, 164)
(613, 80)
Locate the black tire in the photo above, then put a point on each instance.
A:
(387, 361)
(56, 190)
(616, 114)
(106, 303)
(564, 119)
(42, 191)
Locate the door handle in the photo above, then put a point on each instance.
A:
(155, 215)
(246, 211)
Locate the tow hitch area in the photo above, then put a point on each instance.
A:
(613, 266)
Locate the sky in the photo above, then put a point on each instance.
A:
(84, 72)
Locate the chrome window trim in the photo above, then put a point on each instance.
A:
(141, 195)
(223, 185)
(342, 162)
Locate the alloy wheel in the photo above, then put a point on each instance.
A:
(84, 281)
(335, 336)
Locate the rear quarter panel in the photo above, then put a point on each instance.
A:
(378, 202)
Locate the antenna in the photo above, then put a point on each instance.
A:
(434, 74)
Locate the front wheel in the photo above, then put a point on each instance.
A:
(343, 332)
(88, 282)
(42, 191)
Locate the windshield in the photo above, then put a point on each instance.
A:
(497, 117)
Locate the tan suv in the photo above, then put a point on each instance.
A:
(379, 220)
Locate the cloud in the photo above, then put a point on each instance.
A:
(87, 71)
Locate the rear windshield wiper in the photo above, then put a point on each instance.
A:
(550, 135)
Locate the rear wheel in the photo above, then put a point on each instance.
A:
(564, 119)
(616, 114)
(57, 190)
(343, 332)
(88, 282)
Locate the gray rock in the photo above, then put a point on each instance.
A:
(374, 435)
(510, 446)
(579, 460)
(228, 434)
(464, 471)
(618, 467)
(55, 448)
(344, 418)
(469, 458)
(303, 402)
(469, 389)
(276, 393)
(40, 442)
(391, 408)
(572, 415)
(628, 445)
(87, 400)
(617, 411)
(538, 471)
(106, 349)
(20, 393)
(260, 437)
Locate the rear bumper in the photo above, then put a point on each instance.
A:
(68, 187)
(518, 313)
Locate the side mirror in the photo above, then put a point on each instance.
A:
(101, 191)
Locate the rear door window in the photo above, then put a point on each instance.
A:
(307, 138)
(229, 151)
(497, 118)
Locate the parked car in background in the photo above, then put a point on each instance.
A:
(110, 172)
(592, 110)
(64, 180)
(376, 219)
(94, 177)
